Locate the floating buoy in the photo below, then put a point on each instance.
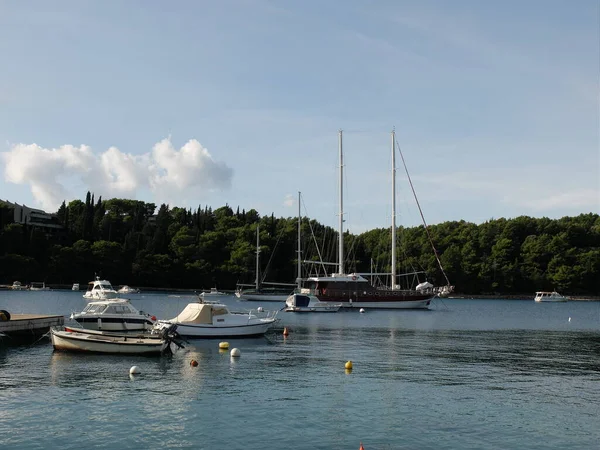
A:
(260, 309)
(235, 352)
(194, 363)
(153, 318)
(362, 310)
(134, 370)
(361, 447)
(569, 319)
(348, 365)
(223, 345)
(285, 331)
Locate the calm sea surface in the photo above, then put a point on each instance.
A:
(469, 374)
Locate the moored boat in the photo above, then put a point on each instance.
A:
(543, 296)
(128, 290)
(212, 293)
(99, 290)
(75, 287)
(212, 320)
(309, 303)
(72, 340)
(353, 290)
(117, 314)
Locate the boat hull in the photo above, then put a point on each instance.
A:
(72, 341)
(397, 302)
(311, 309)
(224, 331)
(551, 300)
(262, 297)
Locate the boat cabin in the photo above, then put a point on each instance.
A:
(112, 307)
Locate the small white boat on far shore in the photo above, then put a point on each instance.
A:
(543, 296)
(211, 294)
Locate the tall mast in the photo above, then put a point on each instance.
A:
(257, 257)
(341, 228)
(299, 247)
(393, 209)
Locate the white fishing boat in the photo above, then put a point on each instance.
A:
(75, 287)
(309, 303)
(100, 290)
(213, 293)
(74, 340)
(116, 314)
(128, 290)
(354, 290)
(543, 296)
(212, 320)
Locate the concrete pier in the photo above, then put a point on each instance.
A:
(26, 326)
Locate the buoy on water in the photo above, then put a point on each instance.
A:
(348, 365)
(285, 331)
(260, 309)
(362, 310)
(569, 319)
(361, 447)
(194, 363)
(134, 370)
(224, 345)
(235, 353)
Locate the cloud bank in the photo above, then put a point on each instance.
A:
(165, 171)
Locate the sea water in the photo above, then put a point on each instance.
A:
(468, 374)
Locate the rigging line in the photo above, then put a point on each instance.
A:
(265, 273)
(422, 216)
(313, 234)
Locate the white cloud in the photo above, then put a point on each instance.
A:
(165, 171)
(289, 201)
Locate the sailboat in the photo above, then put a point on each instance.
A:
(261, 290)
(353, 290)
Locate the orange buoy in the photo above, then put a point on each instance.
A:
(361, 447)
(193, 363)
(285, 331)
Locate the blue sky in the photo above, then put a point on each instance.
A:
(495, 105)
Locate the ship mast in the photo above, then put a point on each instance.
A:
(257, 257)
(393, 209)
(298, 280)
(341, 226)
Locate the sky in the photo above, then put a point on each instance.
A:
(495, 105)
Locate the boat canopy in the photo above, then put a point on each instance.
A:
(200, 313)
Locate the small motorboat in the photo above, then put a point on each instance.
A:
(554, 296)
(38, 286)
(74, 340)
(17, 286)
(211, 294)
(116, 314)
(75, 287)
(309, 303)
(128, 290)
(99, 290)
(211, 320)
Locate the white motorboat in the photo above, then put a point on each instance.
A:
(309, 303)
(116, 314)
(554, 296)
(17, 286)
(212, 320)
(128, 290)
(99, 290)
(73, 340)
(38, 286)
(75, 287)
(212, 293)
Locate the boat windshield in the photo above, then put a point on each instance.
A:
(119, 309)
(95, 308)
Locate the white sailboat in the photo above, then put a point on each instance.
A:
(353, 290)
(263, 291)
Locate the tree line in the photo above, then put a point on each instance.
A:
(125, 242)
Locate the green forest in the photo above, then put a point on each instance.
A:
(127, 242)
